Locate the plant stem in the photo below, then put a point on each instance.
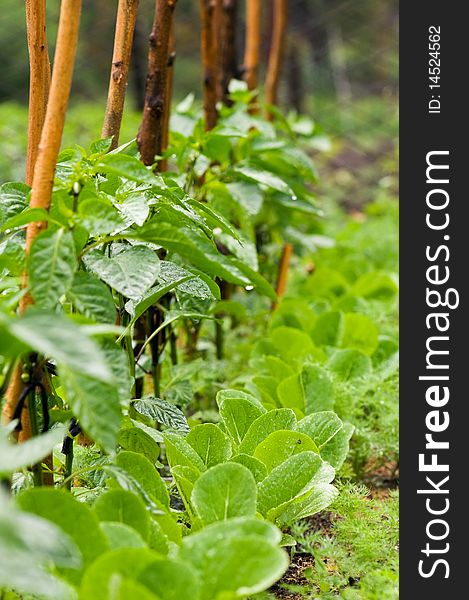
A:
(284, 265)
(163, 165)
(150, 135)
(276, 52)
(253, 42)
(125, 25)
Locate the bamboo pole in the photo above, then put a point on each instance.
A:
(44, 169)
(125, 25)
(276, 52)
(150, 135)
(209, 61)
(253, 43)
(39, 78)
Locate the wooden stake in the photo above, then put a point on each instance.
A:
(125, 25)
(228, 68)
(150, 135)
(284, 265)
(39, 78)
(209, 60)
(163, 165)
(276, 52)
(253, 42)
(44, 169)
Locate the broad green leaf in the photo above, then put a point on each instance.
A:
(248, 195)
(123, 588)
(120, 535)
(180, 453)
(331, 435)
(171, 579)
(375, 284)
(210, 443)
(52, 264)
(131, 272)
(28, 215)
(134, 209)
(233, 565)
(292, 344)
(14, 457)
(236, 415)
(288, 482)
(257, 468)
(265, 178)
(185, 478)
(75, 518)
(118, 361)
(310, 391)
(223, 395)
(162, 412)
(141, 469)
(92, 298)
(96, 405)
(195, 247)
(29, 540)
(349, 364)
(127, 166)
(125, 507)
(13, 199)
(127, 562)
(360, 333)
(99, 216)
(57, 337)
(321, 496)
(137, 440)
(157, 539)
(328, 329)
(225, 491)
(280, 445)
(264, 425)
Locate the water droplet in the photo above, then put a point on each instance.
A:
(248, 288)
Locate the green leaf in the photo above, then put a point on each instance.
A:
(171, 579)
(28, 215)
(120, 535)
(73, 517)
(162, 412)
(265, 178)
(225, 491)
(257, 468)
(14, 457)
(248, 196)
(127, 562)
(99, 216)
(30, 540)
(330, 434)
(292, 344)
(134, 209)
(13, 200)
(360, 333)
(375, 284)
(180, 453)
(224, 395)
(280, 445)
(288, 482)
(320, 498)
(122, 588)
(95, 403)
(349, 364)
(141, 469)
(125, 507)
(137, 440)
(210, 443)
(185, 478)
(92, 298)
(51, 266)
(264, 425)
(126, 166)
(234, 559)
(57, 337)
(131, 272)
(236, 415)
(310, 391)
(328, 329)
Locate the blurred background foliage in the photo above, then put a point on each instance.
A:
(340, 67)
